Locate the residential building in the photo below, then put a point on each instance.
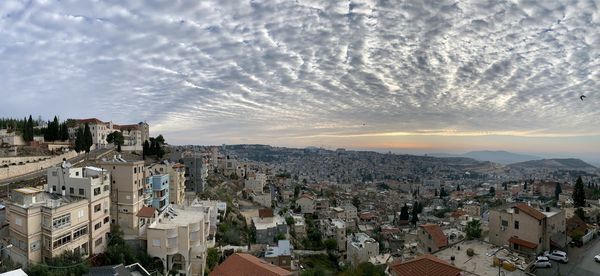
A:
(247, 265)
(255, 182)
(361, 247)
(178, 239)
(268, 227)
(280, 255)
(264, 199)
(299, 226)
(196, 172)
(527, 229)
(306, 203)
(128, 193)
(118, 270)
(44, 225)
(431, 238)
(134, 135)
(92, 184)
(351, 212)
(176, 174)
(335, 229)
(424, 265)
(160, 191)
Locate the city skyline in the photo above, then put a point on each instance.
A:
(412, 77)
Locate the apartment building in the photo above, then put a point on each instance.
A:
(268, 226)
(361, 247)
(196, 172)
(431, 238)
(528, 229)
(306, 203)
(176, 174)
(255, 182)
(160, 191)
(299, 226)
(280, 255)
(92, 184)
(335, 229)
(44, 225)
(128, 192)
(178, 238)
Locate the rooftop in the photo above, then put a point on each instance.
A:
(283, 248)
(359, 239)
(436, 233)
(266, 223)
(425, 265)
(178, 216)
(247, 265)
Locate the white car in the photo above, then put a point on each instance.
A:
(542, 261)
(557, 255)
(597, 258)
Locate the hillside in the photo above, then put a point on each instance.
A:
(500, 157)
(557, 164)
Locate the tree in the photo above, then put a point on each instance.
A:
(212, 258)
(27, 131)
(458, 187)
(415, 214)
(68, 263)
(404, 212)
(289, 220)
(443, 192)
(557, 191)
(492, 191)
(296, 191)
(580, 213)
(116, 138)
(87, 138)
(579, 193)
(474, 229)
(356, 202)
(64, 131)
(525, 186)
(330, 244)
(145, 149)
(79, 140)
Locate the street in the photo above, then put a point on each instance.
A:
(581, 262)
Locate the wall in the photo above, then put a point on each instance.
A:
(26, 168)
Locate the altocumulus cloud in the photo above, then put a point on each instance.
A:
(235, 71)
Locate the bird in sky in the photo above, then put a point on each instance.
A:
(581, 97)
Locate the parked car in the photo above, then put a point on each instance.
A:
(542, 261)
(597, 258)
(557, 255)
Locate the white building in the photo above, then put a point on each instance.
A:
(335, 229)
(255, 182)
(306, 203)
(178, 239)
(360, 248)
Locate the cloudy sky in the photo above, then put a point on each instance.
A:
(401, 75)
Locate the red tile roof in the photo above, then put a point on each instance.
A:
(425, 265)
(436, 233)
(265, 213)
(90, 120)
(126, 127)
(242, 264)
(523, 243)
(367, 215)
(530, 211)
(146, 212)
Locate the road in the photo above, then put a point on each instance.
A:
(581, 262)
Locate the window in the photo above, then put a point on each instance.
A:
(54, 188)
(106, 188)
(60, 241)
(516, 211)
(80, 215)
(516, 224)
(98, 225)
(80, 232)
(62, 221)
(98, 242)
(505, 223)
(106, 220)
(54, 173)
(71, 190)
(97, 208)
(19, 221)
(97, 191)
(156, 242)
(540, 241)
(134, 170)
(81, 192)
(76, 173)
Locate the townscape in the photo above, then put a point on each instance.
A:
(87, 196)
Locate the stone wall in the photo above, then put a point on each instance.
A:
(16, 170)
(21, 159)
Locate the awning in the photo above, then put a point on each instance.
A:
(523, 243)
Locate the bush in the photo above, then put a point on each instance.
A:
(470, 252)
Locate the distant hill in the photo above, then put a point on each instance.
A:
(500, 157)
(558, 164)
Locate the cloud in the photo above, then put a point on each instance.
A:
(225, 71)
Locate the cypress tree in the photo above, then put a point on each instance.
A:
(404, 212)
(87, 138)
(557, 190)
(579, 193)
(79, 140)
(415, 214)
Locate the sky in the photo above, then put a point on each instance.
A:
(406, 76)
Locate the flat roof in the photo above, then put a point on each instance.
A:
(28, 190)
(179, 217)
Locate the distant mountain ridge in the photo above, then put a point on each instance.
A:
(555, 163)
(498, 156)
